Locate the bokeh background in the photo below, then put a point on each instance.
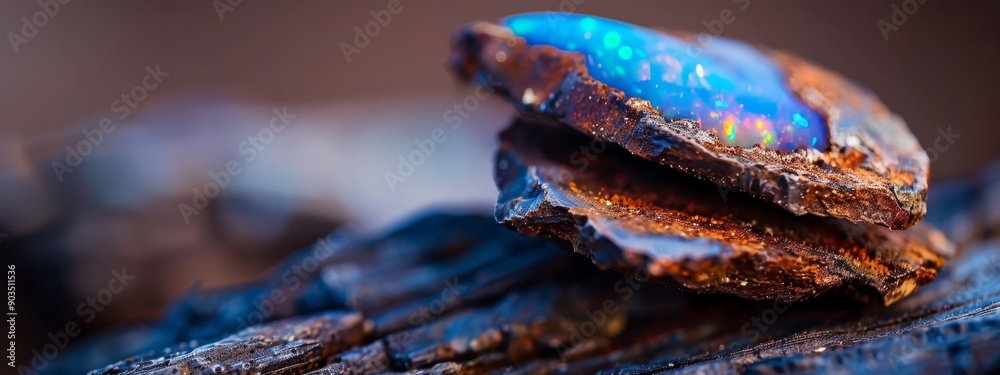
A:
(325, 171)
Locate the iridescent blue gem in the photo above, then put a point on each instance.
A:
(721, 83)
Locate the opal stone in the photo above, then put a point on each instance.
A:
(720, 83)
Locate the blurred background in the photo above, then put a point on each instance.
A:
(120, 117)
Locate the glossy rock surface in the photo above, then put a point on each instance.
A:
(531, 308)
(723, 85)
(633, 215)
(872, 171)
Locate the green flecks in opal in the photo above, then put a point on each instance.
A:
(724, 85)
(625, 52)
(612, 40)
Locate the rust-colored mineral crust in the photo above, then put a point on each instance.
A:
(630, 214)
(874, 170)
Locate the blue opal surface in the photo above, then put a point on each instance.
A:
(721, 83)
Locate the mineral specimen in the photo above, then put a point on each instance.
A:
(726, 86)
(764, 122)
(629, 214)
(460, 294)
